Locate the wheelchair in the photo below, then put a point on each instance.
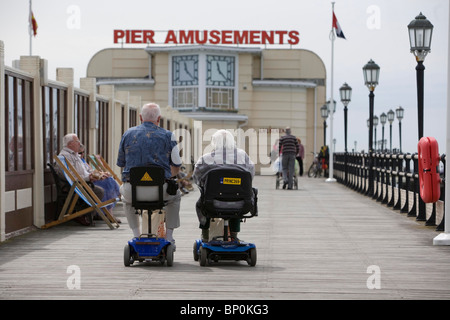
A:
(280, 181)
(148, 194)
(227, 194)
(279, 175)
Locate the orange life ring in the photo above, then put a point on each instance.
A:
(429, 179)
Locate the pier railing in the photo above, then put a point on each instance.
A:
(392, 180)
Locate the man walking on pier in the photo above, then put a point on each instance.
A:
(289, 148)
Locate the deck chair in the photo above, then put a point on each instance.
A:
(80, 189)
(100, 164)
(62, 192)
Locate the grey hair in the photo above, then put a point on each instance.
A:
(150, 112)
(223, 139)
(68, 138)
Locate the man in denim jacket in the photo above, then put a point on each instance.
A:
(149, 144)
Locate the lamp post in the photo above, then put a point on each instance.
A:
(375, 124)
(346, 96)
(383, 119)
(324, 113)
(400, 112)
(371, 73)
(331, 111)
(390, 118)
(420, 32)
(368, 128)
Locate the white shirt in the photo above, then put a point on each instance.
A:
(76, 162)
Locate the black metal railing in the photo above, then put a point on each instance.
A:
(395, 183)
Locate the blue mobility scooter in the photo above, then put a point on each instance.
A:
(148, 194)
(227, 194)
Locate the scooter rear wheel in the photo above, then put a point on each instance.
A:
(203, 256)
(252, 258)
(127, 258)
(169, 255)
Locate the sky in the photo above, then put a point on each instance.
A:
(70, 32)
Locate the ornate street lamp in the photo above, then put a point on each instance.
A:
(383, 119)
(371, 73)
(420, 32)
(346, 96)
(390, 118)
(324, 113)
(400, 112)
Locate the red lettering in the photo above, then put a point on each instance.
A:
(241, 38)
(127, 36)
(267, 37)
(294, 37)
(171, 37)
(148, 36)
(227, 37)
(187, 36)
(197, 37)
(281, 34)
(118, 34)
(136, 36)
(254, 37)
(215, 37)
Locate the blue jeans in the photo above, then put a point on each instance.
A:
(288, 167)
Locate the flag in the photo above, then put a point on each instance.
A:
(336, 26)
(33, 24)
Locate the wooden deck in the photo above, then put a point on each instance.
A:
(318, 242)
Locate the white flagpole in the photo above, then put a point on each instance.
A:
(30, 30)
(331, 106)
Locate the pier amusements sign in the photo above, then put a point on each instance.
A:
(230, 37)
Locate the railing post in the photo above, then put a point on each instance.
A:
(413, 211)
(375, 176)
(407, 158)
(398, 163)
(367, 178)
(421, 212)
(360, 173)
(391, 180)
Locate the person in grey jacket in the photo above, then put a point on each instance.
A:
(224, 154)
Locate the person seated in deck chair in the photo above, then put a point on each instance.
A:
(225, 154)
(71, 146)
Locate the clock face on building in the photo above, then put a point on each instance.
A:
(185, 70)
(220, 71)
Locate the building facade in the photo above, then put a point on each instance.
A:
(256, 92)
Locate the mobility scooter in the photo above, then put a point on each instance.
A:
(227, 194)
(148, 194)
